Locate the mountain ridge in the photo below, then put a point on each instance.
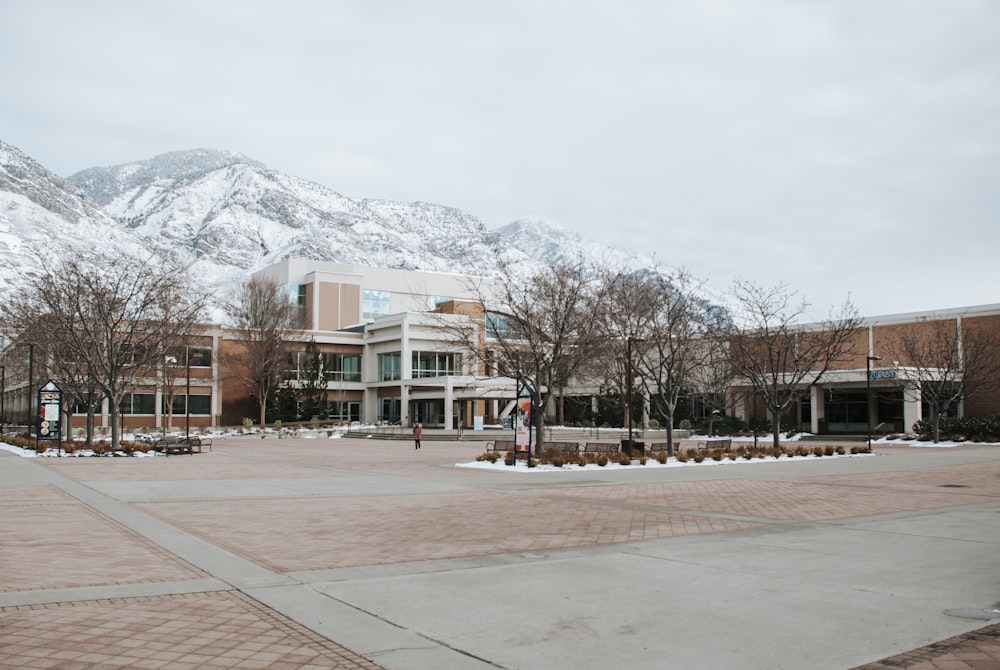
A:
(227, 216)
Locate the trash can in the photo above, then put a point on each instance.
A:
(634, 447)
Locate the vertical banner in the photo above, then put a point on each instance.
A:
(522, 423)
(49, 426)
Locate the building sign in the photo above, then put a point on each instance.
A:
(882, 374)
(49, 412)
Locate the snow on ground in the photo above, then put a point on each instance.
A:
(521, 466)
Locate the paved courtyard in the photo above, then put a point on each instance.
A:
(323, 553)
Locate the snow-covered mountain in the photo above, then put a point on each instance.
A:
(227, 211)
(228, 216)
(43, 217)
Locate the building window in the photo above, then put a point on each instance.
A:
(375, 303)
(200, 357)
(345, 412)
(388, 410)
(139, 403)
(389, 367)
(498, 326)
(300, 295)
(200, 405)
(81, 407)
(435, 364)
(342, 367)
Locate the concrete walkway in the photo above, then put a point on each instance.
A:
(350, 553)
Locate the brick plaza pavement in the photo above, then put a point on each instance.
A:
(236, 558)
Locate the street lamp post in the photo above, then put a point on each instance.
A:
(868, 395)
(187, 399)
(3, 394)
(628, 389)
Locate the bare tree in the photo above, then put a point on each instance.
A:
(312, 381)
(264, 316)
(712, 377)
(629, 302)
(951, 363)
(778, 358)
(540, 329)
(110, 323)
(674, 344)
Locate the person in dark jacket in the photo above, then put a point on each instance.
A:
(418, 432)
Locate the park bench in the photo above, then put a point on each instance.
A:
(549, 448)
(714, 443)
(601, 447)
(176, 444)
(500, 445)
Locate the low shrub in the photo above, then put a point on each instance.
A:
(699, 456)
(840, 450)
(817, 451)
(958, 428)
(602, 460)
(828, 450)
(624, 459)
(510, 458)
(682, 457)
(716, 455)
(661, 457)
(557, 461)
(642, 460)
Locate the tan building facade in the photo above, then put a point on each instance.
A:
(391, 355)
(883, 377)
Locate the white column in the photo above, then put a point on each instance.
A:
(159, 416)
(912, 408)
(449, 402)
(404, 404)
(740, 405)
(817, 408)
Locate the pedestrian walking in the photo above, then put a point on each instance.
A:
(418, 432)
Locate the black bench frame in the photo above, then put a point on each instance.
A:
(174, 444)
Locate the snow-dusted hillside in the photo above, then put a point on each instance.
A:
(226, 210)
(43, 218)
(227, 216)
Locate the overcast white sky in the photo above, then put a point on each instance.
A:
(841, 146)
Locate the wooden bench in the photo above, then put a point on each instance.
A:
(560, 447)
(500, 445)
(714, 443)
(175, 444)
(601, 447)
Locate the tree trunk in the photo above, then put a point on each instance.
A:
(263, 409)
(113, 410)
(776, 428)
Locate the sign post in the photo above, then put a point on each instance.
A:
(49, 420)
(523, 422)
